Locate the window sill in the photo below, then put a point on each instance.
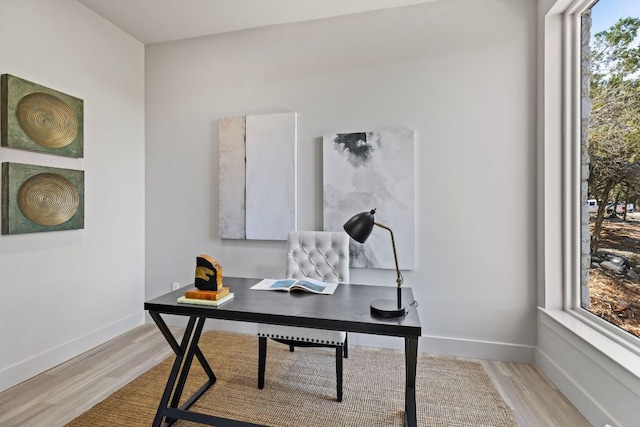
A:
(586, 338)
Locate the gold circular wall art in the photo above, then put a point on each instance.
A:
(47, 120)
(48, 199)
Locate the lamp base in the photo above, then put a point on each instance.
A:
(387, 308)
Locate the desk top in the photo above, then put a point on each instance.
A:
(347, 309)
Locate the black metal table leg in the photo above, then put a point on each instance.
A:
(165, 331)
(180, 351)
(177, 394)
(181, 366)
(411, 362)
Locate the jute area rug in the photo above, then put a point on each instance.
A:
(300, 389)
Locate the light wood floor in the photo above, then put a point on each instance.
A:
(57, 396)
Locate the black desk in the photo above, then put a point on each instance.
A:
(346, 310)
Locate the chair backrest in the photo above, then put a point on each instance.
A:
(321, 255)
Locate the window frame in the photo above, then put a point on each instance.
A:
(571, 186)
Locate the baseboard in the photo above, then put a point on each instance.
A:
(600, 377)
(476, 349)
(473, 349)
(586, 404)
(427, 344)
(39, 363)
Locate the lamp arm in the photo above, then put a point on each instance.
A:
(399, 279)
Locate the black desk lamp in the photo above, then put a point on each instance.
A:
(359, 227)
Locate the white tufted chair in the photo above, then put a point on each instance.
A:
(321, 255)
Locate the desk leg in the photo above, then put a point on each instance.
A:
(177, 394)
(184, 353)
(411, 361)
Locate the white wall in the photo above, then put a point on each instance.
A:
(64, 292)
(461, 73)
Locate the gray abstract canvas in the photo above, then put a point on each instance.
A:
(257, 176)
(367, 170)
(231, 200)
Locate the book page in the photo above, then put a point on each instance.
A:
(282, 284)
(307, 284)
(315, 286)
(271, 284)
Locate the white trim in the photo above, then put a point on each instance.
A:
(608, 330)
(601, 378)
(473, 349)
(476, 349)
(585, 338)
(572, 79)
(568, 167)
(25, 369)
(579, 397)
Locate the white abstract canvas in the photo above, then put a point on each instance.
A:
(271, 176)
(258, 176)
(367, 170)
(231, 200)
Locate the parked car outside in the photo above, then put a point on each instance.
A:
(621, 208)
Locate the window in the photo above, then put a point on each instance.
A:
(607, 165)
(596, 364)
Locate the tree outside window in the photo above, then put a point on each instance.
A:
(611, 168)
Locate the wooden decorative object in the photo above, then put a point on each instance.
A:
(208, 295)
(37, 118)
(208, 274)
(40, 198)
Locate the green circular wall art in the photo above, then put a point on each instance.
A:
(41, 198)
(38, 118)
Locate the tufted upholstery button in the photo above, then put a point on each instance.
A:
(322, 255)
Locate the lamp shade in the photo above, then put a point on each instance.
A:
(360, 225)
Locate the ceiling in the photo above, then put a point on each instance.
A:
(155, 21)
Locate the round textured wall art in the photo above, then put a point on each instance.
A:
(48, 199)
(47, 120)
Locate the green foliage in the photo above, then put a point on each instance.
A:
(613, 56)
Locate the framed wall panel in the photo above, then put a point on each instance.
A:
(258, 176)
(37, 118)
(41, 198)
(367, 170)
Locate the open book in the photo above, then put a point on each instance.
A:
(307, 284)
